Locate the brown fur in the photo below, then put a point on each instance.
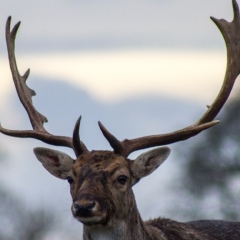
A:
(95, 177)
(101, 188)
(101, 181)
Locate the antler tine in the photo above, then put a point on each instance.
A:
(114, 142)
(24, 92)
(128, 146)
(25, 95)
(231, 34)
(78, 147)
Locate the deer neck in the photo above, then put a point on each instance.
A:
(131, 227)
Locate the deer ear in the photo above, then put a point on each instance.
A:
(57, 163)
(148, 162)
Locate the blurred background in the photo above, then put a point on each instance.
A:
(141, 67)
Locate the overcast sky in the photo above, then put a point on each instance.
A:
(117, 49)
(63, 25)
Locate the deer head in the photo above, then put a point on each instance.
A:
(101, 181)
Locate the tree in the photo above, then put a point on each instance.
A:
(211, 173)
(18, 222)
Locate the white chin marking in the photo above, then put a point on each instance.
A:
(90, 220)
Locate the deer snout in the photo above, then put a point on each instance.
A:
(83, 208)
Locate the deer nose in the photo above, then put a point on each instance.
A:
(84, 208)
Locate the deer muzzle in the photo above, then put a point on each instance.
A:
(83, 209)
(88, 211)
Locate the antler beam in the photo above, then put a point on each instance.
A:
(231, 34)
(25, 95)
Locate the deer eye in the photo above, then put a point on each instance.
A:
(122, 179)
(70, 180)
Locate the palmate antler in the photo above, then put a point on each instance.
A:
(231, 34)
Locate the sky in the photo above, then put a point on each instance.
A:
(59, 25)
(118, 74)
(117, 49)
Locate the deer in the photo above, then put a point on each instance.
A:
(101, 181)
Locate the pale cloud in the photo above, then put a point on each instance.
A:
(114, 75)
(129, 25)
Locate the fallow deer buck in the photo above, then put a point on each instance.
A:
(101, 181)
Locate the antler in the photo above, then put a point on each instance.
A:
(25, 95)
(231, 34)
